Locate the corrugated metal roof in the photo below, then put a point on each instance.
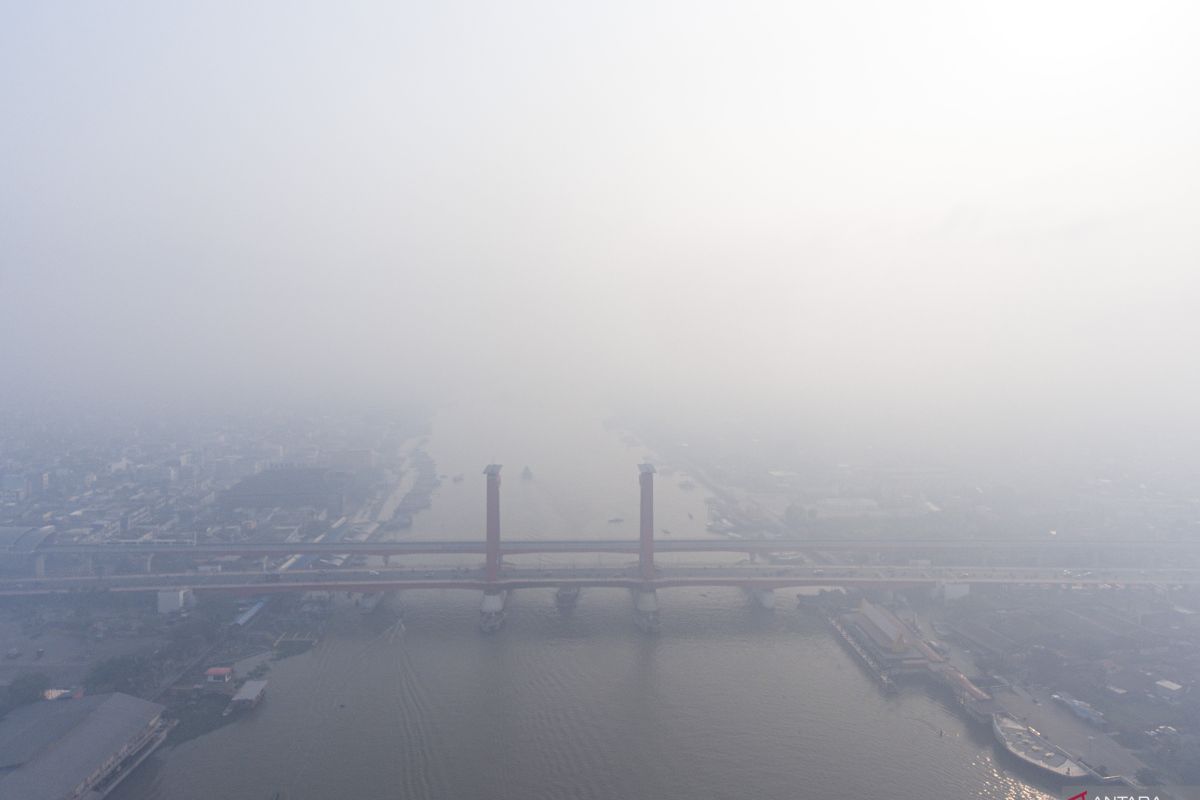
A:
(883, 619)
(249, 691)
(52, 747)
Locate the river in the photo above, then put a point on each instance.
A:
(727, 702)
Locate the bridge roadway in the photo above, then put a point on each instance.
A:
(746, 576)
(661, 545)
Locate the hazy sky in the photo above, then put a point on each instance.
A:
(887, 211)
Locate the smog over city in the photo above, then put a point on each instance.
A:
(611, 400)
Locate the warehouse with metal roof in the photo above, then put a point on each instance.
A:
(76, 749)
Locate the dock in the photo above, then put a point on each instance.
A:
(873, 666)
(247, 697)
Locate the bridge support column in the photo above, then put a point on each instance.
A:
(646, 529)
(566, 598)
(39, 566)
(492, 561)
(491, 611)
(763, 598)
(645, 610)
(89, 565)
(149, 563)
(264, 563)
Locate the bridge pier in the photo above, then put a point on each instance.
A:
(763, 598)
(149, 563)
(566, 598)
(492, 612)
(645, 610)
(39, 566)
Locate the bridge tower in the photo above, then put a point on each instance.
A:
(491, 612)
(492, 563)
(646, 544)
(645, 601)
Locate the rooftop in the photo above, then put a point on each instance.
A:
(250, 691)
(49, 748)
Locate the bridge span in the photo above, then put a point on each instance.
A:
(744, 576)
(591, 546)
(495, 579)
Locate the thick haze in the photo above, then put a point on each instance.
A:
(959, 216)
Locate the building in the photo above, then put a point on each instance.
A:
(247, 697)
(889, 641)
(218, 674)
(76, 749)
(175, 600)
(1168, 690)
(287, 487)
(1079, 708)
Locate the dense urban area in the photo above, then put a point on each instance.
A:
(1084, 676)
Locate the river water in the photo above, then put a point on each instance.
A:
(727, 702)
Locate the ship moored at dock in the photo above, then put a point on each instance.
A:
(1026, 744)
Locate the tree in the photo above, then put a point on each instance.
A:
(27, 688)
(120, 674)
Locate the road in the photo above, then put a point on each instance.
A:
(661, 545)
(757, 575)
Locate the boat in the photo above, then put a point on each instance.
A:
(1032, 748)
(527, 473)
(615, 520)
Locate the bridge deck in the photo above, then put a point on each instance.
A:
(518, 547)
(363, 580)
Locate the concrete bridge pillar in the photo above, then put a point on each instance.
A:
(645, 610)
(491, 611)
(763, 598)
(492, 561)
(149, 563)
(566, 598)
(39, 566)
(646, 541)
